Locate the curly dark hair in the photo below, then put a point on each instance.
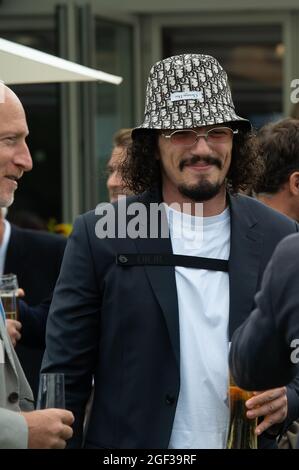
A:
(141, 170)
(278, 146)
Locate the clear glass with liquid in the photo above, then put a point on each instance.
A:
(241, 433)
(9, 295)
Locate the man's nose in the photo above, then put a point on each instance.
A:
(23, 158)
(201, 146)
(114, 180)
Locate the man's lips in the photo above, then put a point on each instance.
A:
(200, 166)
(199, 170)
(13, 178)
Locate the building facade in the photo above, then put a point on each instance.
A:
(71, 125)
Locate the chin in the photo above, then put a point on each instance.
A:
(6, 201)
(116, 197)
(201, 192)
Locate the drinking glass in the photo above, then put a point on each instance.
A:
(241, 434)
(51, 391)
(9, 295)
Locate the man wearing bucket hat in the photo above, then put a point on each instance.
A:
(148, 313)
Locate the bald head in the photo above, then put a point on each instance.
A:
(14, 154)
(9, 100)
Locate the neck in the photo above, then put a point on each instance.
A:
(280, 202)
(214, 206)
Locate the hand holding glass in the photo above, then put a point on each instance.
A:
(51, 391)
(241, 433)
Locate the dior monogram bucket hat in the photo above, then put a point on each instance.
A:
(186, 91)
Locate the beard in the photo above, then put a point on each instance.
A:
(203, 191)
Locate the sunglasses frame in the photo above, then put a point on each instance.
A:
(198, 135)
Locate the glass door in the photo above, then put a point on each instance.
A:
(252, 56)
(115, 52)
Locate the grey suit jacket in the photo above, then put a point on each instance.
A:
(120, 324)
(15, 395)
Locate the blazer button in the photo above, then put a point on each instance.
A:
(169, 399)
(13, 397)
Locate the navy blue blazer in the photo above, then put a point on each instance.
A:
(265, 349)
(262, 347)
(35, 256)
(121, 324)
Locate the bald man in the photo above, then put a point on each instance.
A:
(20, 427)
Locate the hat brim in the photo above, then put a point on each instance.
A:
(205, 117)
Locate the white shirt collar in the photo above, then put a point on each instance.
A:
(4, 244)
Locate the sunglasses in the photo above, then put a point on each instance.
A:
(189, 137)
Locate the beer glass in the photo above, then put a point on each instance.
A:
(51, 391)
(9, 295)
(241, 433)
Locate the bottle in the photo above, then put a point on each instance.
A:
(241, 433)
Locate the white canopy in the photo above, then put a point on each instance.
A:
(21, 64)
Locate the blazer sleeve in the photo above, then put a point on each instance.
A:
(34, 320)
(261, 349)
(72, 335)
(13, 430)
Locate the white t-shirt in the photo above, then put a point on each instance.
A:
(202, 413)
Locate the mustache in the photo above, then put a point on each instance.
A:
(208, 160)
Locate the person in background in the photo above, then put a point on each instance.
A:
(295, 111)
(115, 185)
(278, 186)
(264, 351)
(20, 426)
(27, 219)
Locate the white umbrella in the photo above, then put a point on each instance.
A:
(21, 64)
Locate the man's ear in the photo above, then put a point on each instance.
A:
(294, 183)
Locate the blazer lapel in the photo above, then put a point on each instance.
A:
(246, 245)
(7, 346)
(244, 260)
(162, 278)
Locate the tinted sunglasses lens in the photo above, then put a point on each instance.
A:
(220, 134)
(184, 138)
